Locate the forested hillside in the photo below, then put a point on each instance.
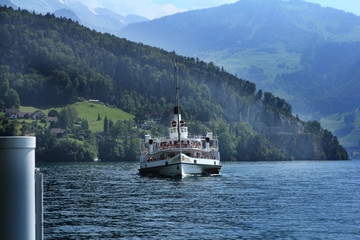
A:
(298, 50)
(49, 61)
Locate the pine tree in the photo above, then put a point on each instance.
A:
(106, 124)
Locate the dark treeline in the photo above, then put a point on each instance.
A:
(50, 61)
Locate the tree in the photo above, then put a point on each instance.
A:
(226, 143)
(313, 127)
(106, 124)
(139, 115)
(53, 113)
(110, 149)
(259, 94)
(84, 124)
(9, 98)
(67, 117)
(8, 128)
(268, 98)
(131, 148)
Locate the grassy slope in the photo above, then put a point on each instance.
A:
(89, 111)
(269, 58)
(33, 109)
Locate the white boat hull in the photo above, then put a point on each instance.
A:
(187, 166)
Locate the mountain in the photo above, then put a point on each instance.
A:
(55, 61)
(300, 51)
(246, 24)
(133, 18)
(100, 19)
(40, 6)
(103, 20)
(67, 14)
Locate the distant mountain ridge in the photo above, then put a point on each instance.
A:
(246, 23)
(100, 19)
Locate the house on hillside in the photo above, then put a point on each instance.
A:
(37, 115)
(11, 113)
(24, 115)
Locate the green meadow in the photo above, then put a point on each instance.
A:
(268, 61)
(89, 111)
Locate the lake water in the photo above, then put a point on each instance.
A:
(250, 200)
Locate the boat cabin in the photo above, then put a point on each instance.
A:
(162, 148)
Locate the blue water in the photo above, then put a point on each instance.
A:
(250, 200)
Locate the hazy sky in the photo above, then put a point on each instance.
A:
(158, 8)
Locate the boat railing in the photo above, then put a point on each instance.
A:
(192, 142)
(190, 137)
(184, 146)
(177, 146)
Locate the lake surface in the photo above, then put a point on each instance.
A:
(250, 200)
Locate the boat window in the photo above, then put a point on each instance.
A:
(195, 161)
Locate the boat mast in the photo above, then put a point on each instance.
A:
(177, 103)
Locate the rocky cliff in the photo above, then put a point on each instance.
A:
(284, 132)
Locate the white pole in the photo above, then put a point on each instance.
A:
(39, 204)
(17, 188)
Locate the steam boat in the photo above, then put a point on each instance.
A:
(179, 153)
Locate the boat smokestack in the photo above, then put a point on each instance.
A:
(176, 110)
(151, 146)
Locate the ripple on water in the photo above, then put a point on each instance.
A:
(287, 200)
